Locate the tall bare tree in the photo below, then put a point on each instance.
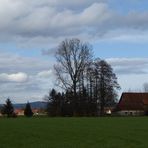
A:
(72, 58)
(106, 84)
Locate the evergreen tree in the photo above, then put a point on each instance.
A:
(55, 101)
(51, 106)
(28, 111)
(8, 109)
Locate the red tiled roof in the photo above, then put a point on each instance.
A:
(133, 101)
(18, 110)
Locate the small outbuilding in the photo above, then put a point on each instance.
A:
(133, 104)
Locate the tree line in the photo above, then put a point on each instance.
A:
(89, 83)
(8, 110)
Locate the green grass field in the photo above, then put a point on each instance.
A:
(121, 132)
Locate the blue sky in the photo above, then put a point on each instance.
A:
(31, 31)
(118, 49)
(124, 6)
(105, 49)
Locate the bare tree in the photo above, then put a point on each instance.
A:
(145, 87)
(72, 58)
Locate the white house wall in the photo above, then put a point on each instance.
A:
(131, 112)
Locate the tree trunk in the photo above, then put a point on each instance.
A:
(75, 100)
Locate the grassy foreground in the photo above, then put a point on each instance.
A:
(74, 132)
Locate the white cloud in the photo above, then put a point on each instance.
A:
(17, 77)
(45, 74)
(24, 78)
(127, 61)
(35, 21)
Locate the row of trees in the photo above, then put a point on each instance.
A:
(89, 84)
(8, 109)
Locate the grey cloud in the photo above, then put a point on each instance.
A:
(132, 20)
(49, 52)
(24, 77)
(130, 70)
(34, 89)
(13, 63)
(41, 80)
(128, 61)
(39, 21)
(129, 65)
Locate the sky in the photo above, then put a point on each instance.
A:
(30, 32)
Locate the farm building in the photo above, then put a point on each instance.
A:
(133, 104)
(20, 112)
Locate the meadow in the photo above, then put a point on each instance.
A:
(43, 132)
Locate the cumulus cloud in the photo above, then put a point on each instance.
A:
(50, 21)
(34, 18)
(24, 78)
(17, 77)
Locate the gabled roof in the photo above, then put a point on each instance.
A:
(133, 101)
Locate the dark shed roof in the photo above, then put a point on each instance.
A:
(133, 101)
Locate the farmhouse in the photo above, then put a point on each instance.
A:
(133, 104)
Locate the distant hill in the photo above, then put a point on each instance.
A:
(34, 105)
